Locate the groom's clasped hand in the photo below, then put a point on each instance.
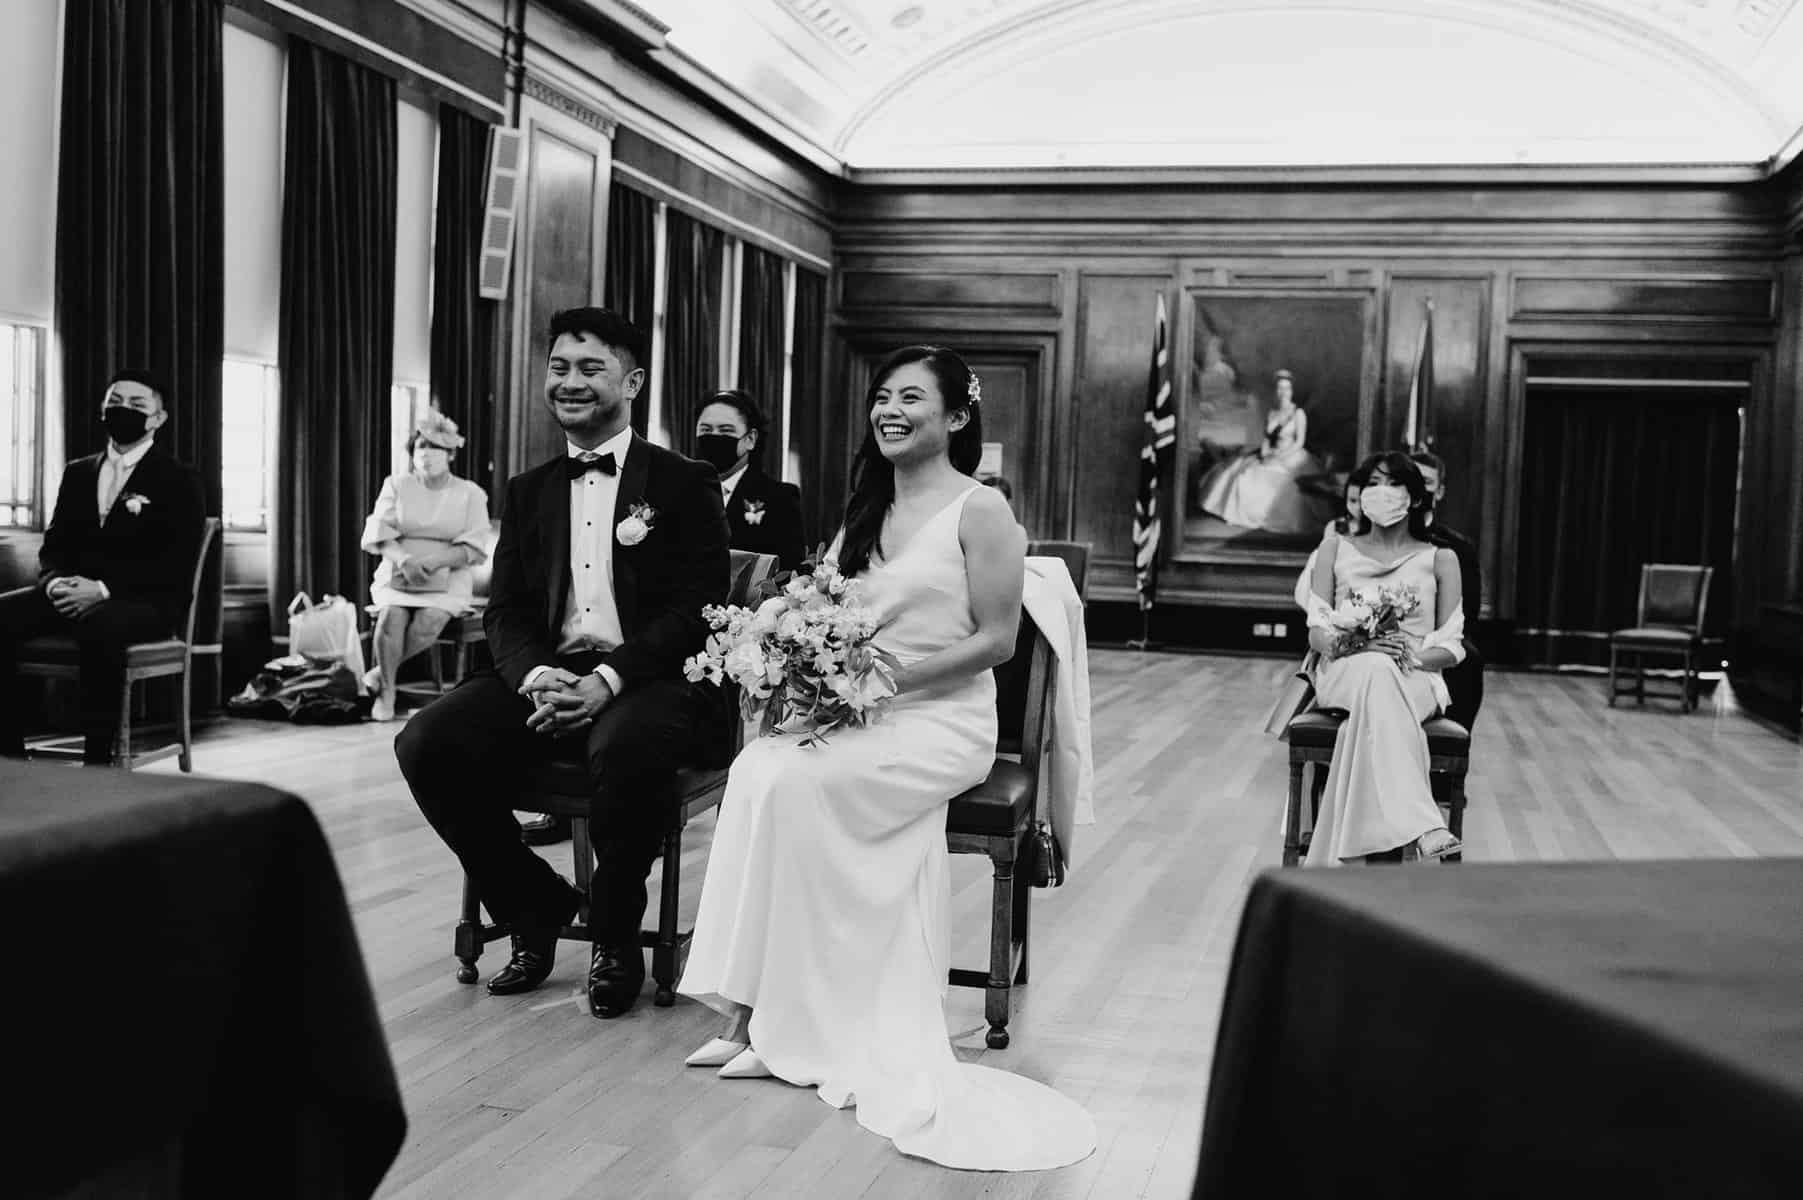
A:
(565, 703)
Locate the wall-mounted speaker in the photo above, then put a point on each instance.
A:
(506, 165)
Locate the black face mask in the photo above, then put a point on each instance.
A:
(718, 450)
(124, 425)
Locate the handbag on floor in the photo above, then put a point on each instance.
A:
(325, 632)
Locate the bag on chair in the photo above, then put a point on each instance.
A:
(325, 632)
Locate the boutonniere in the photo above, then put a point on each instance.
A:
(754, 512)
(640, 520)
(134, 503)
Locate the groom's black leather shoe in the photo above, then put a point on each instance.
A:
(545, 831)
(534, 954)
(616, 975)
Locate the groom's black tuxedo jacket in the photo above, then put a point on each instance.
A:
(778, 527)
(660, 585)
(147, 555)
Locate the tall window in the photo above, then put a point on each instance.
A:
(251, 390)
(22, 421)
(406, 401)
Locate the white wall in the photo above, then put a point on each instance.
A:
(416, 161)
(254, 68)
(30, 58)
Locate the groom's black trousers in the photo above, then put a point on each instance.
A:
(465, 753)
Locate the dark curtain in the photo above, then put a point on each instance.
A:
(818, 434)
(140, 233)
(337, 321)
(630, 272)
(696, 258)
(761, 313)
(463, 323)
(1610, 481)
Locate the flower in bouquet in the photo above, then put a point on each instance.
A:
(802, 656)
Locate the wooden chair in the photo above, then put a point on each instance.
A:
(562, 789)
(461, 632)
(59, 657)
(1311, 736)
(1076, 558)
(1673, 600)
(999, 815)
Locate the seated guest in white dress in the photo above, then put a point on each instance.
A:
(1377, 797)
(429, 527)
(824, 926)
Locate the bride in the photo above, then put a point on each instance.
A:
(824, 925)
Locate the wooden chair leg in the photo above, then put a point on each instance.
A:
(663, 954)
(468, 940)
(582, 852)
(1614, 665)
(436, 655)
(121, 755)
(186, 759)
(1640, 678)
(1689, 702)
(1455, 816)
(1023, 909)
(1001, 952)
(1292, 815)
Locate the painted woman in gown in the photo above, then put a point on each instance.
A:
(1377, 797)
(1263, 490)
(824, 926)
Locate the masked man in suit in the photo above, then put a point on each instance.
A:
(763, 513)
(116, 565)
(1464, 682)
(606, 557)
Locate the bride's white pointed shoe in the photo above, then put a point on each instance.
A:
(716, 1053)
(747, 1065)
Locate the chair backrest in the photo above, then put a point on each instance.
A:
(1674, 596)
(208, 531)
(749, 569)
(1076, 559)
(1023, 694)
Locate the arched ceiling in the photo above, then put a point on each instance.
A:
(923, 84)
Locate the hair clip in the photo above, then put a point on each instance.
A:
(974, 390)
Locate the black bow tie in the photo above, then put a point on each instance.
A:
(582, 465)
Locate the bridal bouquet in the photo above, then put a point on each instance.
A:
(1365, 616)
(802, 657)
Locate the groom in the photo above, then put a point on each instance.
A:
(606, 557)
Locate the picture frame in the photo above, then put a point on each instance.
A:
(1257, 482)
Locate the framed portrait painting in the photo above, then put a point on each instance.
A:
(1275, 390)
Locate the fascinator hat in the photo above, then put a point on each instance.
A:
(436, 429)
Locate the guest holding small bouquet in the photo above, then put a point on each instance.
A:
(1387, 620)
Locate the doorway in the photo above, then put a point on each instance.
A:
(1617, 470)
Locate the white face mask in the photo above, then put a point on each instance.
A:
(1385, 505)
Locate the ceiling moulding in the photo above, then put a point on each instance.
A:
(771, 124)
(1512, 174)
(625, 24)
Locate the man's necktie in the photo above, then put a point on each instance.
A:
(584, 463)
(109, 485)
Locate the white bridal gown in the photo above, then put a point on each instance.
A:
(826, 904)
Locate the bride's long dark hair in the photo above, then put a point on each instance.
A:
(873, 476)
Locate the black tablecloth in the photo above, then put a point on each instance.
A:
(1521, 1031)
(185, 1007)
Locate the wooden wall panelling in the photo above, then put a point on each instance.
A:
(1682, 298)
(1113, 356)
(1461, 356)
(561, 238)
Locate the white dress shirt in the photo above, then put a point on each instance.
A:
(115, 472)
(730, 482)
(591, 619)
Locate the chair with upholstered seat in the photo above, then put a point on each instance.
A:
(1311, 735)
(1076, 559)
(998, 818)
(1669, 623)
(562, 789)
(59, 657)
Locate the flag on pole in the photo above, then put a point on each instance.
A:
(1154, 463)
(1418, 429)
